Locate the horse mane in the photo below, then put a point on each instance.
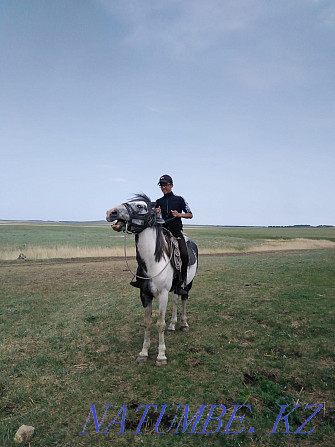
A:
(161, 246)
(142, 197)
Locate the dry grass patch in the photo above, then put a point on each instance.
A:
(64, 252)
(274, 245)
(293, 244)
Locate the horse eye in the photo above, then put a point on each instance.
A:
(139, 206)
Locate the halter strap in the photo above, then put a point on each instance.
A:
(137, 221)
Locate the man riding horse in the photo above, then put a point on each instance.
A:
(172, 209)
(156, 271)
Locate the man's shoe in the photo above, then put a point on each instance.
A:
(180, 291)
(135, 284)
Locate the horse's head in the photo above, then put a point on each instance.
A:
(133, 216)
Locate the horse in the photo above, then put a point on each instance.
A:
(156, 272)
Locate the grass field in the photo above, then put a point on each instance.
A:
(45, 241)
(261, 334)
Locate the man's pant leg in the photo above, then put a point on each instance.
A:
(183, 256)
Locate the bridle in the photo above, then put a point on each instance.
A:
(137, 221)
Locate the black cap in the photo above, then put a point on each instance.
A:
(165, 179)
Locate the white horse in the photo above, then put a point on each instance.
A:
(155, 272)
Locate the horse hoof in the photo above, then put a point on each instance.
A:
(141, 359)
(185, 328)
(171, 330)
(161, 362)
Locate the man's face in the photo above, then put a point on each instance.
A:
(166, 187)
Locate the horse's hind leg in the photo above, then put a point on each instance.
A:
(172, 326)
(163, 300)
(143, 355)
(184, 326)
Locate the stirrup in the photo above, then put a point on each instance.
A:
(180, 291)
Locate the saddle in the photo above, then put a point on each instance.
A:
(172, 243)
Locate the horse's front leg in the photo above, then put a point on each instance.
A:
(143, 355)
(163, 300)
(173, 322)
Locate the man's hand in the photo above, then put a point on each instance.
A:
(184, 216)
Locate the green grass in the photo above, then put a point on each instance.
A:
(241, 238)
(265, 232)
(262, 334)
(47, 235)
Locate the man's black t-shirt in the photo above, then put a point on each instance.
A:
(172, 202)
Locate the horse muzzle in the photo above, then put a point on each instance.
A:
(117, 223)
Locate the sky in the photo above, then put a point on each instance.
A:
(235, 99)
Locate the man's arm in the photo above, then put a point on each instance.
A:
(183, 215)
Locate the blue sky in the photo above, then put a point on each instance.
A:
(233, 98)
